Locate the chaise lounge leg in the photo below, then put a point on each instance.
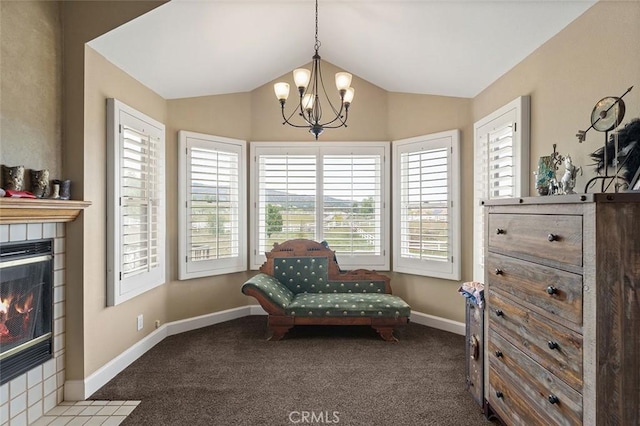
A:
(386, 333)
(278, 332)
(279, 325)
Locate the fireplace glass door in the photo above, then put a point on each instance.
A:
(26, 281)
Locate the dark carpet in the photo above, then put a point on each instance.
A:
(228, 374)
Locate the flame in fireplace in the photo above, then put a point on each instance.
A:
(4, 304)
(26, 304)
(14, 315)
(4, 313)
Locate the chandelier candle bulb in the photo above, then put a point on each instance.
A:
(282, 91)
(348, 96)
(343, 80)
(301, 77)
(307, 102)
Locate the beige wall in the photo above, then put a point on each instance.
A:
(109, 331)
(414, 115)
(90, 327)
(224, 115)
(597, 55)
(31, 86)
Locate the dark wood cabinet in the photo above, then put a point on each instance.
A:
(562, 278)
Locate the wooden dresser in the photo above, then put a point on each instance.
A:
(562, 321)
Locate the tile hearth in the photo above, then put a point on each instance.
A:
(88, 413)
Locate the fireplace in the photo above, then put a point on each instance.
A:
(26, 305)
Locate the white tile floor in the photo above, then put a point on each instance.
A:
(88, 413)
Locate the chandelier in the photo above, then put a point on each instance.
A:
(310, 87)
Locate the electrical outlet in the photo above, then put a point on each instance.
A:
(140, 322)
(157, 323)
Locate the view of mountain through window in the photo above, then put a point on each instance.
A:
(332, 195)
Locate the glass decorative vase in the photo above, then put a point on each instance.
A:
(544, 175)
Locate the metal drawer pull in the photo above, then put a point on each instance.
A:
(552, 344)
(498, 271)
(499, 354)
(499, 312)
(553, 399)
(499, 394)
(501, 231)
(552, 290)
(552, 237)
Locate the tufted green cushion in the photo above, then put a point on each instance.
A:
(348, 304)
(354, 287)
(309, 275)
(301, 274)
(271, 288)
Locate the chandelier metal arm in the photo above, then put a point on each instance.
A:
(343, 123)
(286, 120)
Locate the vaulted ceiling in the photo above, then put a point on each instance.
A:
(188, 48)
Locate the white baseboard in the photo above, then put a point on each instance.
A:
(177, 327)
(440, 323)
(79, 390)
(257, 310)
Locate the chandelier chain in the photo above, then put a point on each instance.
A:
(317, 45)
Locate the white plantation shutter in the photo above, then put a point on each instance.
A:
(212, 199)
(353, 206)
(139, 202)
(500, 159)
(500, 165)
(286, 198)
(424, 193)
(322, 191)
(426, 205)
(136, 203)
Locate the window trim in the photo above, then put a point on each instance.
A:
(452, 270)
(119, 290)
(187, 139)
(521, 143)
(318, 149)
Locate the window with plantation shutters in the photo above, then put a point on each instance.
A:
(136, 203)
(212, 194)
(501, 165)
(427, 205)
(287, 200)
(323, 192)
(352, 211)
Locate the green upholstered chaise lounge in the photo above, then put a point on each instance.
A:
(301, 284)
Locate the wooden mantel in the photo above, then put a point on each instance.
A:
(30, 210)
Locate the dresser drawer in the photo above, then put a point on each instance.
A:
(510, 403)
(542, 397)
(547, 290)
(554, 237)
(556, 347)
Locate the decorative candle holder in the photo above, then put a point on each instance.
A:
(13, 178)
(65, 188)
(39, 182)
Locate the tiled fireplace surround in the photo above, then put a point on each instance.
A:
(27, 397)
